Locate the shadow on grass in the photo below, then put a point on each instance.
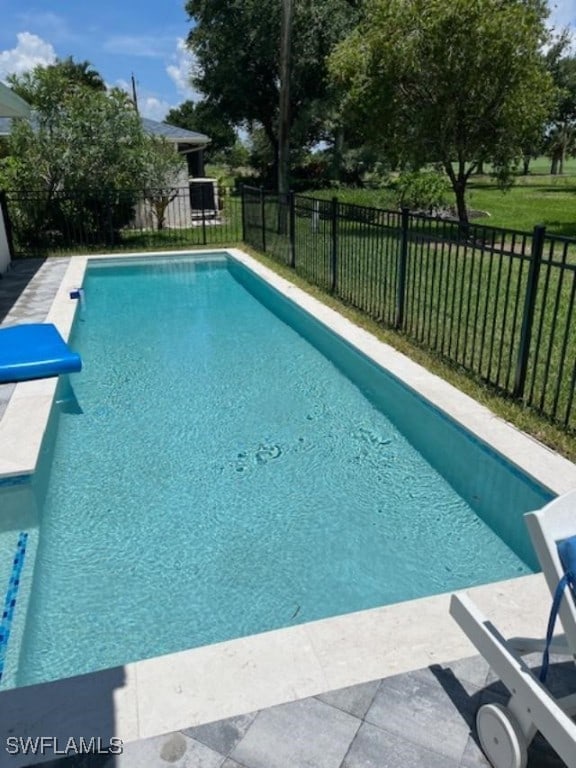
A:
(562, 228)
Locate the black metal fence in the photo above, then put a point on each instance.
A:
(124, 220)
(499, 303)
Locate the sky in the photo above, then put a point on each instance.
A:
(121, 38)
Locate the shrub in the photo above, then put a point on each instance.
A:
(424, 191)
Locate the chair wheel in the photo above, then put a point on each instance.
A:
(501, 737)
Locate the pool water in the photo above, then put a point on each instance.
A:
(211, 474)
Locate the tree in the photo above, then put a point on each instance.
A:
(204, 118)
(237, 43)
(162, 173)
(284, 96)
(67, 71)
(448, 81)
(79, 138)
(560, 139)
(83, 145)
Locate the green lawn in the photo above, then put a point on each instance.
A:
(534, 199)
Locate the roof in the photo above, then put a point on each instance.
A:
(153, 127)
(12, 105)
(173, 133)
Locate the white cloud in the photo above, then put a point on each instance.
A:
(154, 108)
(30, 51)
(182, 69)
(149, 105)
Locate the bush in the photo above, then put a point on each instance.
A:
(423, 191)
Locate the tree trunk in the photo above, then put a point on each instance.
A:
(460, 192)
(557, 162)
(284, 106)
(526, 165)
(337, 153)
(459, 187)
(480, 169)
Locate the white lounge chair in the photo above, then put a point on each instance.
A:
(505, 732)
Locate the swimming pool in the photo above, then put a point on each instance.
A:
(226, 465)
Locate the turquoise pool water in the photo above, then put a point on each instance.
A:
(224, 465)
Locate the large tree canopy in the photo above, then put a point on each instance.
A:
(448, 81)
(66, 71)
(80, 137)
(560, 139)
(237, 47)
(83, 148)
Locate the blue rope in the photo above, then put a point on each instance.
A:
(569, 579)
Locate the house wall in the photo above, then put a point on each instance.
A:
(180, 214)
(4, 249)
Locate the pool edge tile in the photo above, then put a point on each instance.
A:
(155, 696)
(206, 684)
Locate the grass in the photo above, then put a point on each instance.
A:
(547, 200)
(537, 198)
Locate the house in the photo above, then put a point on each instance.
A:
(203, 191)
(188, 143)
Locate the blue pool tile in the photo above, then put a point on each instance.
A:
(9, 482)
(11, 598)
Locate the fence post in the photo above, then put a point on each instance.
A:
(529, 307)
(243, 212)
(402, 266)
(109, 218)
(7, 223)
(263, 218)
(292, 229)
(334, 247)
(203, 204)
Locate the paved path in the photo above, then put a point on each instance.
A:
(422, 718)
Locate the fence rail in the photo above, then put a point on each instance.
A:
(499, 303)
(124, 220)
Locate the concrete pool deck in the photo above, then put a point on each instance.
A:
(157, 696)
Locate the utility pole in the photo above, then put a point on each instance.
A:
(284, 106)
(134, 96)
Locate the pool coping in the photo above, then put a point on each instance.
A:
(163, 694)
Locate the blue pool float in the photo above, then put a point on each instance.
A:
(35, 351)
